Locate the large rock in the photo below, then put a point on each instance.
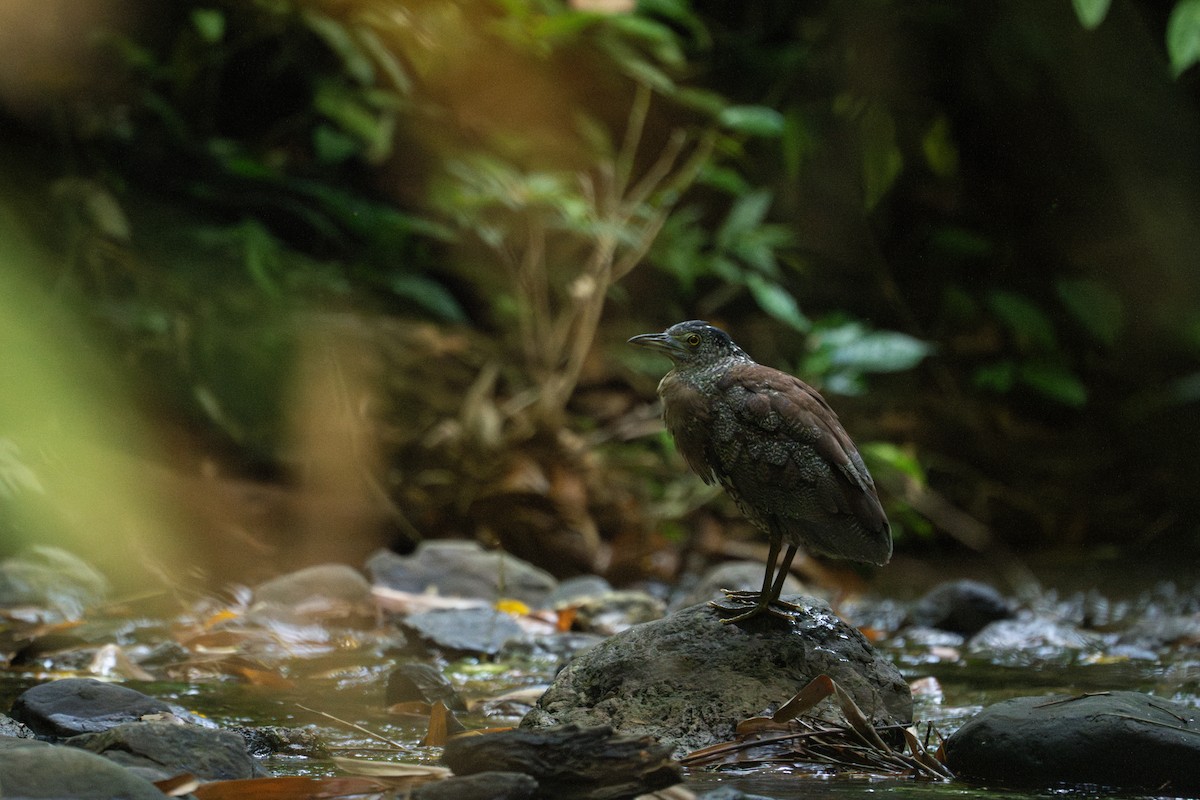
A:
(71, 706)
(961, 606)
(461, 569)
(688, 679)
(158, 750)
(318, 592)
(336, 583)
(30, 771)
(1123, 740)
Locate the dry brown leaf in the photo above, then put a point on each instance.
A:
(391, 769)
(439, 726)
(178, 785)
(806, 699)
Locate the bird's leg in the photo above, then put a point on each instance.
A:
(766, 601)
(781, 576)
(755, 597)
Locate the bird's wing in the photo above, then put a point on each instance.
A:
(780, 408)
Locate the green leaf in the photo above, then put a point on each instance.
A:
(777, 301)
(332, 146)
(1097, 308)
(702, 100)
(659, 39)
(1055, 382)
(429, 295)
(342, 42)
(941, 153)
(1183, 35)
(1028, 323)
(878, 351)
(882, 456)
(752, 121)
(1091, 12)
(997, 377)
(209, 23)
(747, 213)
(882, 159)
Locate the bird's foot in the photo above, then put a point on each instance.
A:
(742, 597)
(758, 605)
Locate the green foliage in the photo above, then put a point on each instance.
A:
(843, 353)
(1183, 35)
(1091, 12)
(742, 253)
(1040, 362)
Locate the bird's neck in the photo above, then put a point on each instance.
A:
(705, 376)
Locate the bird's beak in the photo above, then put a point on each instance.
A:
(658, 341)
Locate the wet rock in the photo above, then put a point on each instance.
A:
(1123, 740)
(51, 577)
(322, 590)
(569, 762)
(269, 740)
(480, 786)
(688, 679)
(55, 771)
(422, 683)
(613, 612)
(72, 706)
(561, 646)
(10, 728)
(739, 576)
(1162, 632)
(572, 590)
(158, 750)
(462, 569)
(466, 630)
(1032, 640)
(962, 606)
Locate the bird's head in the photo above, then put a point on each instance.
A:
(691, 344)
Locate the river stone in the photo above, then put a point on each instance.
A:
(462, 569)
(50, 576)
(55, 771)
(962, 606)
(570, 591)
(688, 679)
(159, 750)
(317, 587)
(1122, 740)
(480, 786)
(9, 727)
(1032, 640)
(72, 706)
(466, 630)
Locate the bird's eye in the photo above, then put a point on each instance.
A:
(692, 339)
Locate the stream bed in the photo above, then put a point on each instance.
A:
(329, 674)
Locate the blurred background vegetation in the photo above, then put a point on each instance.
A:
(285, 280)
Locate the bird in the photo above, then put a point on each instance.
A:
(776, 447)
